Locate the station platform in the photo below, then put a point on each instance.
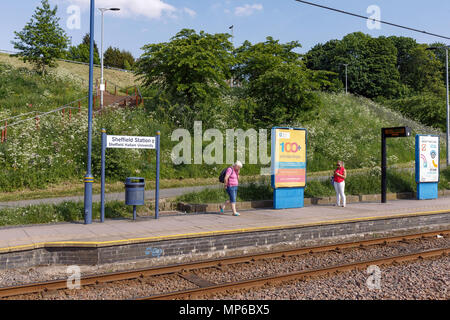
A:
(184, 237)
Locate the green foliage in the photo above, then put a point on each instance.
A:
(191, 68)
(280, 87)
(255, 60)
(249, 192)
(42, 40)
(422, 73)
(186, 81)
(82, 51)
(23, 91)
(372, 63)
(284, 94)
(122, 59)
(426, 108)
(355, 184)
(348, 128)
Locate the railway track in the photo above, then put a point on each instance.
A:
(205, 287)
(274, 279)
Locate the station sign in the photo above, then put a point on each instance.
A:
(130, 142)
(288, 157)
(396, 132)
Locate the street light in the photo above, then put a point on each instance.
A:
(345, 64)
(446, 82)
(102, 86)
(89, 178)
(232, 40)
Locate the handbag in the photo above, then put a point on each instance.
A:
(332, 180)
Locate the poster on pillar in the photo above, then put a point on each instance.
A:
(427, 158)
(288, 158)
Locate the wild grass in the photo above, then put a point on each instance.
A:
(64, 212)
(346, 128)
(78, 73)
(358, 184)
(249, 192)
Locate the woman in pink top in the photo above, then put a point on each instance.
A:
(339, 183)
(231, 183)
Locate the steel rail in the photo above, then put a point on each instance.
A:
(274, 279)
(177, 268)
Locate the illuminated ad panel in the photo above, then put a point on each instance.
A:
(288, 158)
(428, 158)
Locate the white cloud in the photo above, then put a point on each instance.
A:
(247, 9)
(153, 9)
(190, 12)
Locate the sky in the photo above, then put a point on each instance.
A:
(141, 22)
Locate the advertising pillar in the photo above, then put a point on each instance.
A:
(288, 167)
(427, 166)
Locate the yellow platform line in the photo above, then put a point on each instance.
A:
(94, 244)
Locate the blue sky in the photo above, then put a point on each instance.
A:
(151, 21)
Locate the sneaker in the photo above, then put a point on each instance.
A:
(236, 214)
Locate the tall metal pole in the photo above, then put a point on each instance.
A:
(346, 78)
(232, 41)
(447, 125)
(88, 178)
(101, 77)
(102, 83)
(102, 196)
(158, 145)
(383, 167)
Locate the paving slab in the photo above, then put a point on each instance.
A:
(196, 225)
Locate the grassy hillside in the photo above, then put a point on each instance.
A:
(24, 91)
(78, 73)
(346, 128)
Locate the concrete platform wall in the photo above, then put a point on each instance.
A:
(194, 248)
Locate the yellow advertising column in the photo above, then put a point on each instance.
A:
(288, 167)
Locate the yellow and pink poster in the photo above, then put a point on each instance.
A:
(288, 157)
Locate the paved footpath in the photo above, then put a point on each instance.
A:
(119, 196)
(123, 231)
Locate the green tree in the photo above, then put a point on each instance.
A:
(284, 95)
(404, 47)
(281, 88)
(372, 63)
(82, 51)
(254, 60)
(191, 68)
(114, 57)
(87, 42)
(441, 56)
(423, 72)
(42, 40)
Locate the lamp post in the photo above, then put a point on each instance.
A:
(447, 97)
(232, 41)
(102, 86)
(89, 178)
(345, 64)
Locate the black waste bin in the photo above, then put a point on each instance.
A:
(134, 191)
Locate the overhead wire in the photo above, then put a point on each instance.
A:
(372, 19)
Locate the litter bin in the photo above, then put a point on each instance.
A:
(134, 192)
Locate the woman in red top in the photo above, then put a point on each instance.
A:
(339, 183)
